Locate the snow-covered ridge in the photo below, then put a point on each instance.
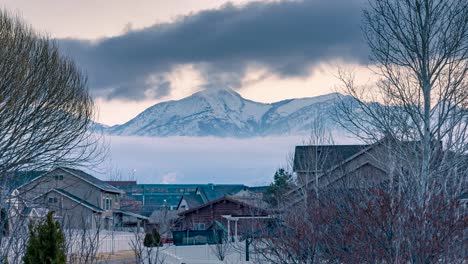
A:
(225, 113)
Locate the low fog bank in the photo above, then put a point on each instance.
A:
(250, 161)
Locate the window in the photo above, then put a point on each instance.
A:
(199, 226)
(53, 200)
(58, 177)
(107, 203)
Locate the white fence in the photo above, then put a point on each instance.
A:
(109, 242)
(116, 242)
(112, 242)
(204, 254)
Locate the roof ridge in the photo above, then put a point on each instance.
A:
(77, 199)
(100, 183)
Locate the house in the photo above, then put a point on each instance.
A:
(147, 198)
(232, 216)
(78, 199)
(162, 202)
(357, 166)
(316, 159)
(352, 166)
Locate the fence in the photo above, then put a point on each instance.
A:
(204, 254)
(197, 237)
(109, 242)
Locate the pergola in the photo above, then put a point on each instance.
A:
(236, 219)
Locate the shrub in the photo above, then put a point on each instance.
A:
(46, 243)
(152, 239)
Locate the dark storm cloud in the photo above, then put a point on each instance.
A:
(286, 37)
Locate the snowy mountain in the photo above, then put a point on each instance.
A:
(224, 113)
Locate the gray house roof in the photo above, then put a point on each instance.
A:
(77, 173)
(222, 198)
(93, 180)
(323, 157)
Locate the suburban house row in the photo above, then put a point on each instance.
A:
(80, 200)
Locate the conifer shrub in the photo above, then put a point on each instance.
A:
(152, 239)
(46, 243)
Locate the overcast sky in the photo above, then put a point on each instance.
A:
(140, 52)
(137, 53)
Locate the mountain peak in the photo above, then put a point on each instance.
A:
(224, 113)
(217, 92)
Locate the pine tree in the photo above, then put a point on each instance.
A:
(46, 243)
(282, 183)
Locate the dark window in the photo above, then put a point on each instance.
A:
(58, 177)
(53, 200)
(107, 203)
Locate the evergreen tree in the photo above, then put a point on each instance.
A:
(282, 183)
(152, 239)
(46, 243)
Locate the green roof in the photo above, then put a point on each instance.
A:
(193, 200)
(217, 223)
(214, 191)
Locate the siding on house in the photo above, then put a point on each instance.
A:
(205, 216)
(78, 199)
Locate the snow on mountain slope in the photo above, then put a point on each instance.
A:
(224, 113)
(297, 104)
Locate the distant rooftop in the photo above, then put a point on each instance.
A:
(158, 196)
(121, 183)
(323, 157)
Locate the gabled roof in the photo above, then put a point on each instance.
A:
(212, 192)
(192, 200)
(139, 216)
(74, 198)
(81, 175)
(394, 143)
(227, 198)
(323, 157)
(92, 180)
(34, 211)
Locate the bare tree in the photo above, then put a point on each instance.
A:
(419, 52)
(45, 108)
(147, 254)
(312, 165)
(295, 233)
(222, 247)
(83, 241)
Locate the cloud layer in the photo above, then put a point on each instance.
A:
(286, 37)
